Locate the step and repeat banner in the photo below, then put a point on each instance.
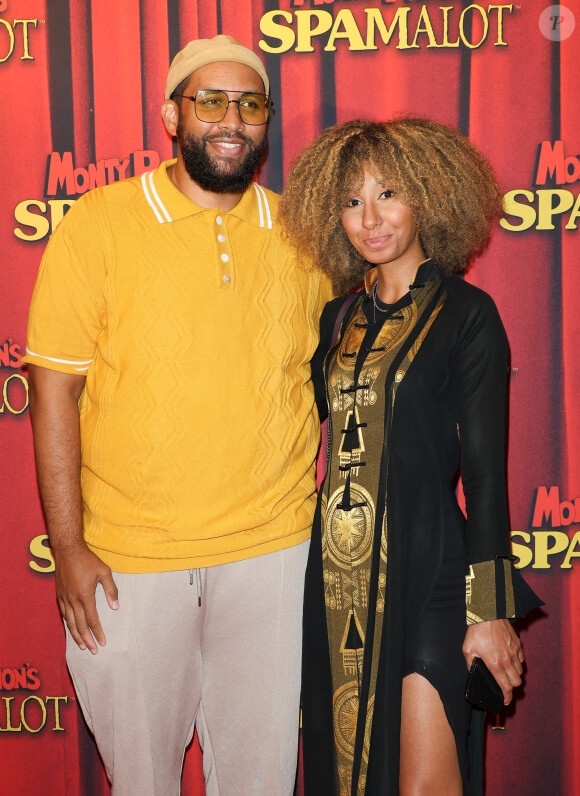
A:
(81, 84)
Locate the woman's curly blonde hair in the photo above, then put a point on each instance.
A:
(444, 179)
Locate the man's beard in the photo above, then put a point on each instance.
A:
(207, 174)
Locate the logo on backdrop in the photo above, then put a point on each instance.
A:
(410, 26)
(557, 23)
(23, 712)
(42, 560)
(14, 395)
(17, 37)
(558, 543)
(65, 182)
(551, 205)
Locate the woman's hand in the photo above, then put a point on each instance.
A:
(497, 644)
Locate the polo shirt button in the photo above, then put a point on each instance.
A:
(222, 238)
(227, 279)
(218, 219)
(225, 258)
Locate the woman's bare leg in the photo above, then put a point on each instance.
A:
(429, 765)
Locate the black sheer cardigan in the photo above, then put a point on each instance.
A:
(450, 409)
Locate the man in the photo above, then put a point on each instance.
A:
(168, 348)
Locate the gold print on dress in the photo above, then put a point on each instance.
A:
(384, 535)
(323, 505)
(381, 594)
(349, 589)
(392, 333)
(382, 572)
(345, 710)
(357, 597)
(352, 646)
(346, 589)
(351, 341)
(365, 579)
(354, 456)
(468, 589)
(332, 596)
(341, 400)
(472, 618)
(368, 728)
(367, 397)
(344, 774)
(349, 533)
(344, 400)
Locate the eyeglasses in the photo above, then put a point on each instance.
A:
(211, 105)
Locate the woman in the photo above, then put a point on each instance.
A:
(401, 591)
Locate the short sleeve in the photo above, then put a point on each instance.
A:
(67, 311)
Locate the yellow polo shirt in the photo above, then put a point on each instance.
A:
(194, 329)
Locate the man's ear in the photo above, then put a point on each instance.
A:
(170, 115)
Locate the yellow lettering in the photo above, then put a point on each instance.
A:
(40, 549)
(8, 28)
(499, 42)
(543, 549)
(33, 220)
(514, 208)
(9, 727)
(274, 30)
(351, 32)
(546, 208)
(8, 400)
(25, 23)
(446, 42)
(574, 215)
(57, 699)
(306, 32)
(524, 553)
(573, 551)
(375, 19)
(464, 39)
(23, 713)
(428, 29)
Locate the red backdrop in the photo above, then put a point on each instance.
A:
(84, 80)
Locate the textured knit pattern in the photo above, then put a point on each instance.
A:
(195, 329)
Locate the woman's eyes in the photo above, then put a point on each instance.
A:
(386, 194)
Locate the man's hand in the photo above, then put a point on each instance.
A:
(54, 411)
(78, 572)
(497, 644)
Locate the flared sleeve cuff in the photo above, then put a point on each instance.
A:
(496, 590)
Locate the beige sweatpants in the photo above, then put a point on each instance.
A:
(229, 667)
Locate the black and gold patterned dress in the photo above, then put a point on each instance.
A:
(391, 552)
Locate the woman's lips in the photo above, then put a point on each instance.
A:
(375, 243)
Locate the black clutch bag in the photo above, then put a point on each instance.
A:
(482, 689)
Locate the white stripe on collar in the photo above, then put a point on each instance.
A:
(261, 194)
(153, 198)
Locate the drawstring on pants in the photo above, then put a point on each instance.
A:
(198, 580)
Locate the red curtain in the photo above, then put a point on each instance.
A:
(93, 87)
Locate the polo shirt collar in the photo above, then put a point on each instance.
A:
(169, 204)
